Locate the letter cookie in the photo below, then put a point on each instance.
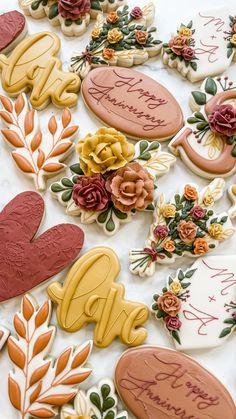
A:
(33, 65)
(204, 47)
(116, 197)
(120, 39)
(38, 385)
(90, 294)
(27, 261)
(72, 15)
(207, 143)
(98, 402)
(185, 225)
(13, 28)
(198, 306)
(37, 156)
(161, 383)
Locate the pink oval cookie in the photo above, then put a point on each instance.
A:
(12, 30)
(160, 383)
(132, 103)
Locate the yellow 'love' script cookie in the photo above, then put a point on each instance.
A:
(90, 294)
(33, 65)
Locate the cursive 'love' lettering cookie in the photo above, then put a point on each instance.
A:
(161, 383)
(207, 143)
(33, 65)
(27, 261)
(198, 306)
(13, 28)
(90, 294)
(206, 46)
(132, 103)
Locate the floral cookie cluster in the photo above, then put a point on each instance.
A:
(231, 36)
(113, 180)
(186, 225)
(121, 38)
(181, 46)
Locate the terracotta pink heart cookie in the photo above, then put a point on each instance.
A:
(161, 383)
(27, 261)
(13, 28)
(132, 103)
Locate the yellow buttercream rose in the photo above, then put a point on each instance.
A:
(96, 33)
(215, 230)
(168, 211)
(114, 36)
(175, 287)
(233, 39)
(208, 200)
(184, 31)
(104, 151)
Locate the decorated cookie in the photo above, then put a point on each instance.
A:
(161, 383)
(90, 294)
(4, 333)
(112, 169)
(133, 103)
(72, 15)
(38, 385)
(27, 261)
(232, 196)
(204, 47)
(122, 38)
(98, 402)
(13, 28)
(207, 143)
(37, 156)
(198, 306)
(185, 225)
(33, 65)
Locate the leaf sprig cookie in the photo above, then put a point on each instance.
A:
(122, 38)
(113, 180)
(4, 333)
(38, 385)
(99, 402)
(37, 157)
(207, 143)
(72, 16)
(185, 225)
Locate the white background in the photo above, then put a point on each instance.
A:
(221, 361)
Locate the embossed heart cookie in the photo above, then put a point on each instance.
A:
(13, 28)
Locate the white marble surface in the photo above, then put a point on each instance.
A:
(220, 361)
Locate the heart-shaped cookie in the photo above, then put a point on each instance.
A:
(13, 29)
(25, 261)
(159, 383)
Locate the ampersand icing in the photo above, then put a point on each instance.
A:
(90, 294)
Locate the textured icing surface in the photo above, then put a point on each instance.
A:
(11, 26)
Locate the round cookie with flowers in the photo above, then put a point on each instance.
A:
(185, 225)
(113, 179)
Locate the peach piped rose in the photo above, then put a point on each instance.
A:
(200, 246)
(169, 303)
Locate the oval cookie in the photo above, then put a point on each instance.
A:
(161, 383)
(132, 103)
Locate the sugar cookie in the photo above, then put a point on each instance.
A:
(33, 65)
(157, 382)
(37, 156)
(90, 294)
(27, 261)
(4, 333)
(206, 144)
(185, 225)
(204, 47)
(13, 28)
(38, 385)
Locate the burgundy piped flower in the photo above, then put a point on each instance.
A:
(222, 120)
(73, 9)
(172, 323)
(161, 231)
(188, 53)
(197, 212)
(89, 193)
(136, 13)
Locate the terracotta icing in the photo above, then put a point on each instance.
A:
(133, 103)
(27, 261)
(159, 382)
(13, 28)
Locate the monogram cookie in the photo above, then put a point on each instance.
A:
(33, 65)
(161, 383)
(38, 156)
(185, 225)
(27, 261)
(13, 28)
(198, 306)
(90, 294)
(206, 46)
(38, 385)
(207, 143)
